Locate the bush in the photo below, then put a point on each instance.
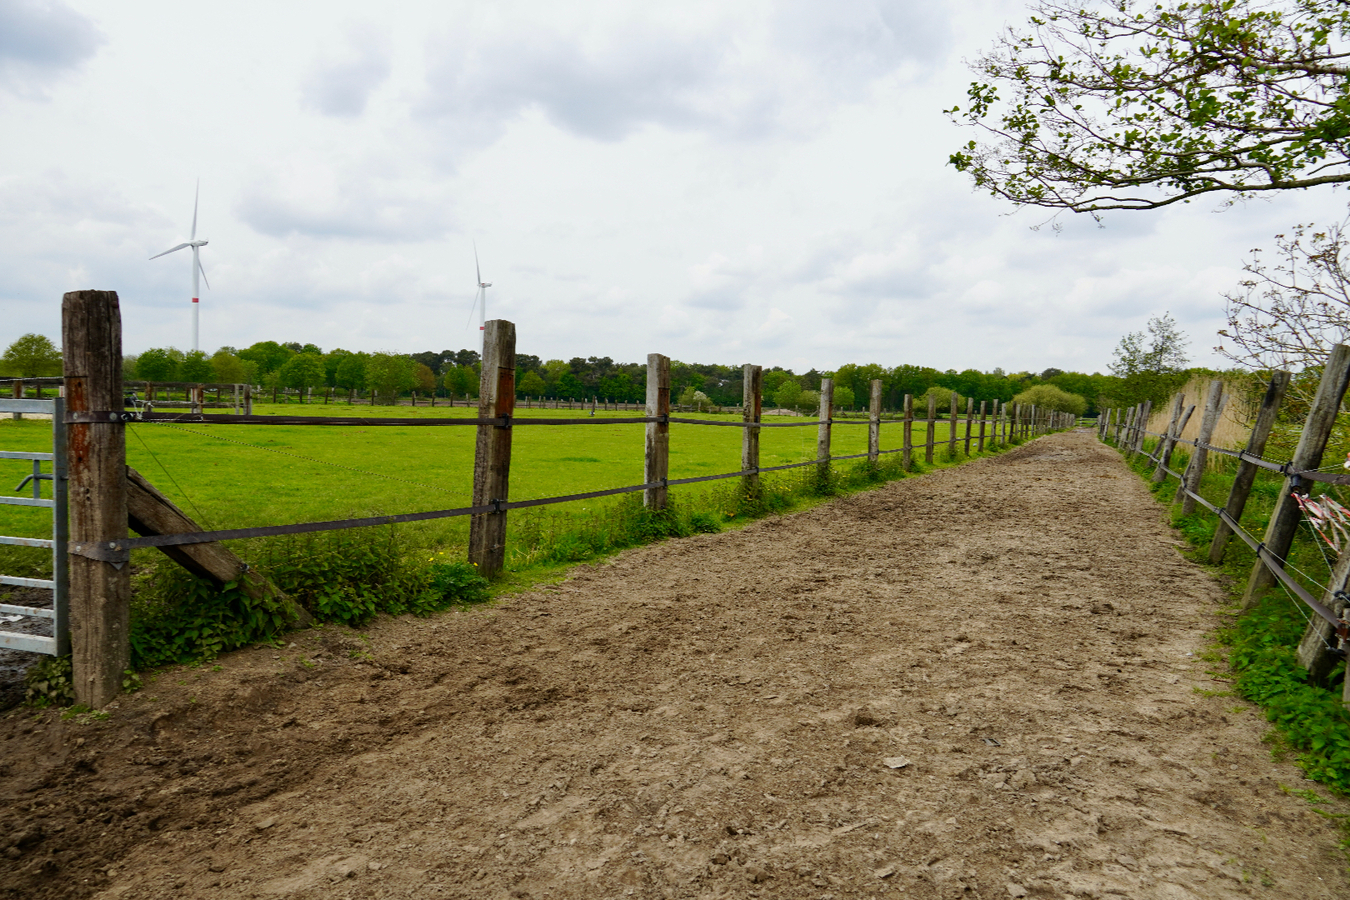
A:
(1047, 396)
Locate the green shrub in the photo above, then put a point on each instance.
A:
(50, 682)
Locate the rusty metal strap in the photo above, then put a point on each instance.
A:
(99, 417)
(103, 551)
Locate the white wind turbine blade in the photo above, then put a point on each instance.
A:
(203, 271)
(474, 308)
(170, 250)
(477, 270)
(195, 196)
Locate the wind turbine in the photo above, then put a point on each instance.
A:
(196, 264)
(480, 298)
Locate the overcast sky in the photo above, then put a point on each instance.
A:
(721, 182)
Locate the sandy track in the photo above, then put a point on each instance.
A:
(711, 717)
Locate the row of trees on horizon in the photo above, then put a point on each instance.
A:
(1148, 366)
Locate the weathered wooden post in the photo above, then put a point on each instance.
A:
(656, 468)
(17, 387)
(970, 421)
(1195, 471)
(1308, 455)
(874, 423)
(1169, 438)
(823, 433)
(96, 454)
(907, 447)
(951, 438)
(932, 428)
(752, 412)
(492, 455)
(979, 446)
(1316, 651)
(1246, 472)
(1142, 432)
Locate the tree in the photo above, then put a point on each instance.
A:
(424, 379)
(1047, 396)
(943, 397)
(195, 367)
(303, 370)
(1132, 104)
(1151, 365)
(31, 356)
(159, 364)
(461, 380)
(843, 397)
(351, 371)
(788, 395)
(1290, 315)
(531, 385)
(230, 369)
(389, 374)
(269, 356)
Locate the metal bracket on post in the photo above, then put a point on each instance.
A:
(103, 552)
(100, 417)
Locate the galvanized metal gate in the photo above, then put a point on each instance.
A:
(59, 643)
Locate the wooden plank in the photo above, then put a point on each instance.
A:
(1195, 471)
(149, 512)
(100, 592)
(874, 424)
(907, 448)
(1308, 455)
(932, 428)
(657, 465)
(752, 411)
(492, 453)
(1246, 472)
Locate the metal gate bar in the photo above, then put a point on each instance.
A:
(59, 643)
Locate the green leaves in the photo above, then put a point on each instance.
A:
(1131, 105)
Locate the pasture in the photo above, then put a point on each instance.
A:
(229, 476)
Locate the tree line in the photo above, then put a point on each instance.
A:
(1149, 365)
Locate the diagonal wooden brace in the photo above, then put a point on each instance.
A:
(150, 513)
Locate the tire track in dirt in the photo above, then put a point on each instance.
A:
(712, 717)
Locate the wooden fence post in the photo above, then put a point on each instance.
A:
(657, 466)
(1169, 438)
(1195, 470)
(951, 437)
(1308, 455)
(100, 579)
(874, 424)
(932, 428)
(1316, 651)
(969, 421)
(823, 433)
(907, 445)
(1172, 444)
(492, 455)
(980, 445)
(752, 411)
(1141, 433)
(1246, 472)
(17, 387)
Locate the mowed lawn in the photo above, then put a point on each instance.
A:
(229, 476)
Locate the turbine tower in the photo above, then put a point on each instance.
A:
(480, 298)
(196, 265)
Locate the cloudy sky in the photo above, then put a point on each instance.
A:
(726, 181)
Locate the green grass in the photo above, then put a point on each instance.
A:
(233, 476)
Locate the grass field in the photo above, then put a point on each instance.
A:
(230, 476)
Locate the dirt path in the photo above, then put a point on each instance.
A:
(714, 717)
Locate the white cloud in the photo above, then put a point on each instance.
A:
(41, 40)
(341, 84)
